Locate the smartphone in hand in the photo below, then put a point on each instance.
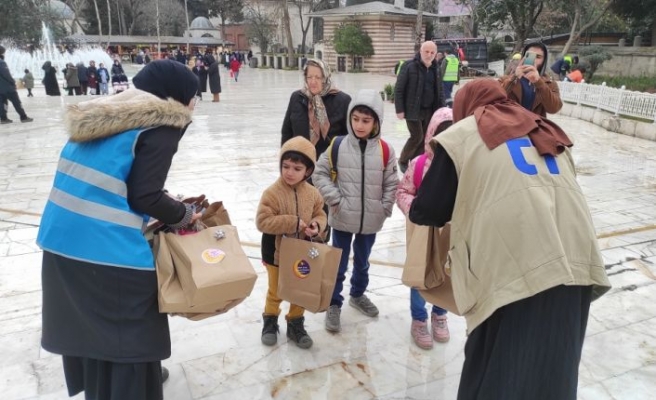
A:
(529, 58)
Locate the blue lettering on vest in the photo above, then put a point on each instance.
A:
(515, 148)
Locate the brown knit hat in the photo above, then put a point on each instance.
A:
(302, 146)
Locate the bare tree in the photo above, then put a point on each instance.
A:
(420, 14)
(109, 24)
(587, 14)
(159, 39)
(187, 34)
(260, 24)
(95, 4)
(520, 15)
(227, 10)
(288, 32)
(312, 6)
(76, 6)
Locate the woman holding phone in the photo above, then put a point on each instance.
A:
(529, 84)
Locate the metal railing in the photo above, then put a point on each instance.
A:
(617, 101)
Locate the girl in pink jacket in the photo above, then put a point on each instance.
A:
(405, 193)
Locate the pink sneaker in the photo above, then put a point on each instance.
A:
(440, 328)
(419, 332)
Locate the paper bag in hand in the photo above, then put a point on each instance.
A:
(171, 299)
(442, 296)
(424, 262)
(215, 215)
(211, 266)
(308, 273)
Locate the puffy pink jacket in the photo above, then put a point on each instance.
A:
(406, 191)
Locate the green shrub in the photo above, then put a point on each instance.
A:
(389, 91)
(637, 83)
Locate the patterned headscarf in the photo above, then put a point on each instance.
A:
(319, 123)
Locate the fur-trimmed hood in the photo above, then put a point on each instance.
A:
(131, 109)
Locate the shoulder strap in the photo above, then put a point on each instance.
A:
(333, 152)
(384, 148)
(418, 173)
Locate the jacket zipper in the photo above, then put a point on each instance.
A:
(298, 221)
(362, 151)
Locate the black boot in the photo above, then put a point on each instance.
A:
(297, 334)
(270, 330)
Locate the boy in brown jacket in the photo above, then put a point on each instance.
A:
(290, 206)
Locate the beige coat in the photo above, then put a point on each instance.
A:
(282, 206)
(519, 227)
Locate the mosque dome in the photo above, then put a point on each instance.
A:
(61, 10)
(201, 23)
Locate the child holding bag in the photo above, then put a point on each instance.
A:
(406, 192)
(290, 206)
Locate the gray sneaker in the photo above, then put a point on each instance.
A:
(364, 305)
(332, 319)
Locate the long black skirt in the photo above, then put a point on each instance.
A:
(106, 324)
(529, 349)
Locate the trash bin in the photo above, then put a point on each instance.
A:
(253, 63)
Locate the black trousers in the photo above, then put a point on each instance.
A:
(529, 349)
(13, 98)
(414, 146)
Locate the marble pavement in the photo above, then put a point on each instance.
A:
(229, 153)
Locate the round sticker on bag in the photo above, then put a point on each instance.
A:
(302, 269)
(212, 256)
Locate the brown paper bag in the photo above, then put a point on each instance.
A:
(215, 215)
(308, 273)
(442, 296)
(424, 262)
(170, 296)
(211, 271)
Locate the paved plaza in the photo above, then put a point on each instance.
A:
(229, 153)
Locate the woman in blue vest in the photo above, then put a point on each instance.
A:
(100, 308)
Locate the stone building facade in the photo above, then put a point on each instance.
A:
(390, 27)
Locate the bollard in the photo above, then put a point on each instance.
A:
(637, 41)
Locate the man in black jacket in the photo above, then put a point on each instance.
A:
(8, 92)
(418, 93)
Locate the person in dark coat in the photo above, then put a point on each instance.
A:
(417, 95)
(201, 72)
(83, 77)
(214, 77)
(8, 92)
(50, 79)
(117, 68)
(92, 70)
(100, 309)
(318, 111)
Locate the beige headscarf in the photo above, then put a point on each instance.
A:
(319, 122)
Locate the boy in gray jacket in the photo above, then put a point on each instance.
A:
(357, 179)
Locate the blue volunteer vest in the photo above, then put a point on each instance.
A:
(87, 216)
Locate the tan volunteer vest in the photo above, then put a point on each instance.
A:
(520, 225)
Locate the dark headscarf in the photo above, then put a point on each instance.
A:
(166, 78)
(500, 119)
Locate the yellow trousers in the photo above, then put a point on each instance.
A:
(272, 306)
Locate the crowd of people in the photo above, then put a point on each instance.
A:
(524, 260)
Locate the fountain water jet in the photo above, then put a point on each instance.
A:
(19, 60)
